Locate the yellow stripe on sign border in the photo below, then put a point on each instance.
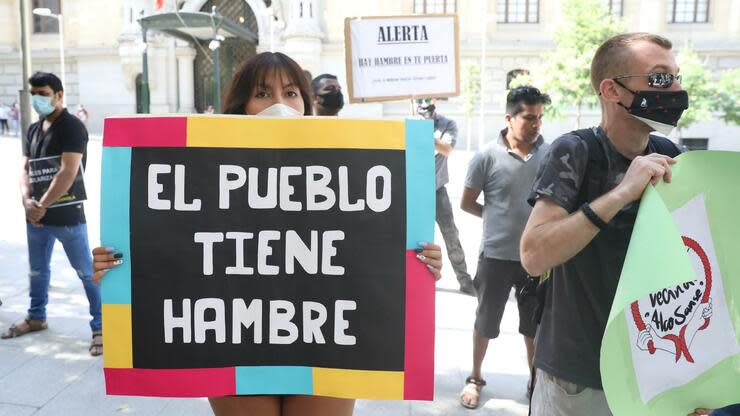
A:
(117, 336)
(376, 385)
(295, 133)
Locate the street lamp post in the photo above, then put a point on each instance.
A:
(487, 18)
(215, 46)
(144, 73)
(25, 93)
(45, 12)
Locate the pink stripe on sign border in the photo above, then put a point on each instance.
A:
(419, 352)
(146, 132)
(181, 382)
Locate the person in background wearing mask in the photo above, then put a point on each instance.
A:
(445, 137)
(504, 172)
(57, 134)
(272, 84)
(327, 95)
(585, 201)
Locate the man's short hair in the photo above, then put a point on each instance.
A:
(316, 82)
(525, 95)
(613, 56)
(44, 79)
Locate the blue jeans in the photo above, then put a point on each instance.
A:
(40, 246)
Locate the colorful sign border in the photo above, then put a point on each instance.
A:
(416, 382)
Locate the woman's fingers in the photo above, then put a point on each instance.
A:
(105, 258)
(105, 265)
(431, 255)
(102, 250)
(98, 276)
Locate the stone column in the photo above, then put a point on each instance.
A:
(186, 83)
(303, 35)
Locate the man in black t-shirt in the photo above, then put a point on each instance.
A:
(54, 155)
(585, 201)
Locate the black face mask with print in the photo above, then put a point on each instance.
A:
(660, 110)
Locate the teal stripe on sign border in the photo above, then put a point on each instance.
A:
(274, 380)
(420, 183)
(115, 192)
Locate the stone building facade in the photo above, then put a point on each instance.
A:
(103, 50)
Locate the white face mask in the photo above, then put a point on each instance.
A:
(662, 128)
(280, 110)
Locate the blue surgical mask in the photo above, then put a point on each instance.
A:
(42, 105)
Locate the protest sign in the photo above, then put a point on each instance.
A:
(671, 342)
(268, 256)
(392, 58)
(41, 172)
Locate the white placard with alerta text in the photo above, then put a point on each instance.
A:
(398, 57)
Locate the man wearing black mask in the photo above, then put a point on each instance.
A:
(585, 199)
(445, 137)
(327, 95)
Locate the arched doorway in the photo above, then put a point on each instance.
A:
(233, 51)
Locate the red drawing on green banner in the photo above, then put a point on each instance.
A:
(685, 301)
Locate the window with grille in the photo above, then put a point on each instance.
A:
(435, 6)
(46, 24)
(518, 11)
(234, 51)
(615, 7)
(688, 11)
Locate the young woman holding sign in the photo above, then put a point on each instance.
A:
(271, 84)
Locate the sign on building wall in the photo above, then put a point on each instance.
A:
(268, 256)
(392, 58)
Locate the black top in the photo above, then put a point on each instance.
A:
(66, 134)
(582, 289)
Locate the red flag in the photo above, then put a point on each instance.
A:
(158, 4)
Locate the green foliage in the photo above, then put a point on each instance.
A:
(585, 26)
(565, 74)
(728, 96)
(553, 111)
(697, 81)
(471, 88)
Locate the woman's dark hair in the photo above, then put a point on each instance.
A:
(253, 73)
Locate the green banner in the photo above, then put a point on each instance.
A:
(671, 343)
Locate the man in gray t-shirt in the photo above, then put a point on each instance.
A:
(504, 172)
(445, 137)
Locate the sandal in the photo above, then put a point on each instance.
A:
(96, 347)
(32, 325)
(472, 389)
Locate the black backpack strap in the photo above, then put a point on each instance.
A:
(664, 146)
(594, 177)
(592, 186)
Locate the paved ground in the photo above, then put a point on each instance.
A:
(50, 373)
